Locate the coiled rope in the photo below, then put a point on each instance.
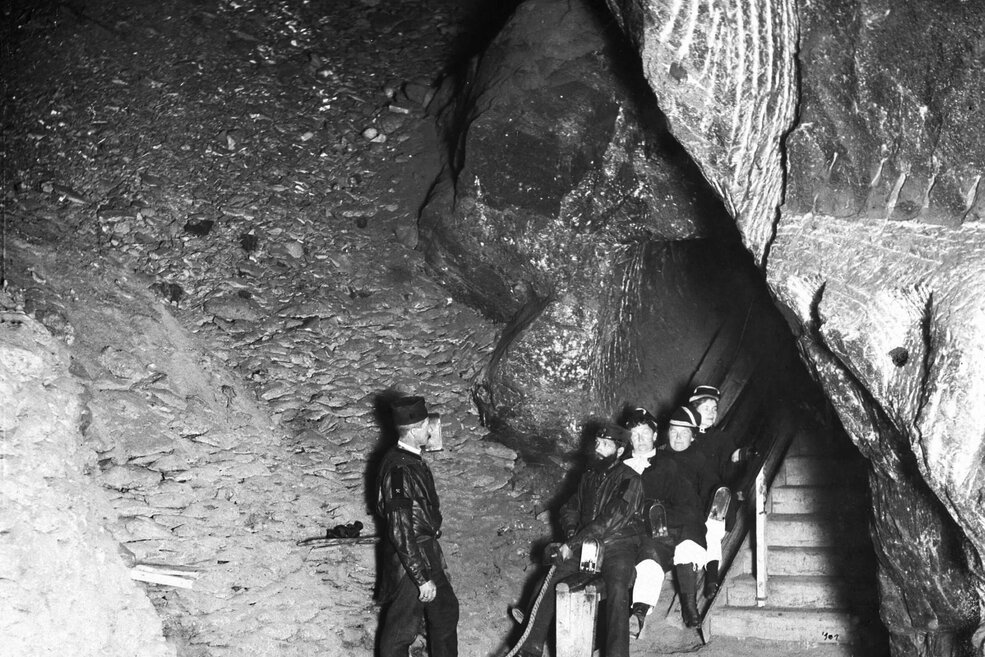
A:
(533, 612)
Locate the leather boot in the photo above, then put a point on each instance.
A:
(637, 617)
(687, 580)
(711, 579)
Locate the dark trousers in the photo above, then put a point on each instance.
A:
(402, 617)
(618, 571)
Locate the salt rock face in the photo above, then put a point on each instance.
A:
(875, 246)
(63, 585)
(559, 169)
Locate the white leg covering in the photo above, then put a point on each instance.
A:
(690, 552)
(714, 535)
(649, 581)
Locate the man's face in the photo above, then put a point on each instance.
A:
(708, 408)
(417, 435)
(679, 438)
(604, 447)
(642, 439)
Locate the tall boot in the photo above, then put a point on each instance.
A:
(711, 579)
(687, 580)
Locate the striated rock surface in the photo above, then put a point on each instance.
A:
(876, 249)
(724, 73)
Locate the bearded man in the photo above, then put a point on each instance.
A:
(606, 508)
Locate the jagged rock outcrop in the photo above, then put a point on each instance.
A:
(565, 210)
(875, 250)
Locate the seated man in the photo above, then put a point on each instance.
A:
(605, 508)
(672, 530)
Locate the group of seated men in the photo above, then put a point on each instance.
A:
(648, 508)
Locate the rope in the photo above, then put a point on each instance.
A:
(533, 612)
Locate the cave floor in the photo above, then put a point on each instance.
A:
(256, 168)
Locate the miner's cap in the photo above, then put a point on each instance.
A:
(613, 432)
(684, 416)
(637, 417)
(705, 392)
(409, 410)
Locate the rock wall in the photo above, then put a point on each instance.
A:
(725, 75)
(875, 247)
(64, 588)
(558, 200)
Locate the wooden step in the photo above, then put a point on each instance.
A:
(819, 626)
(814, 530)
(810, 591)
(812, 560)
(821, 471)
(815, 499)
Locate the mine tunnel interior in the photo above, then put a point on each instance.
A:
(693, 310)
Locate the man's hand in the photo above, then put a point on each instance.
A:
(428, 591)
(744, 454)
(556, 553)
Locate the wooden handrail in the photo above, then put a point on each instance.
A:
(762, 397)
(782, 428)
(761, 555)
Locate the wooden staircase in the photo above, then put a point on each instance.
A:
(820, 583)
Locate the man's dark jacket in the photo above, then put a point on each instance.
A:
(664, 483)
(606, 506)
(695, 466)
(718, 446)
(408, 502)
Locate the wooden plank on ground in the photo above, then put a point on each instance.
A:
(168, 575)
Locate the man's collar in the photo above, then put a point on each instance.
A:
(623, 463)
(639, 462)
(409, 448)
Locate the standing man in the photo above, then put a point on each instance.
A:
(415, 577)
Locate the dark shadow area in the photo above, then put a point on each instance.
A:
(480, 25)
(383, 416)
(564, 490)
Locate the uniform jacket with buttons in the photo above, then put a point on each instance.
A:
(408, 503)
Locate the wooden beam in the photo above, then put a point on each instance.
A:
(577, 608)
(181, 576)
